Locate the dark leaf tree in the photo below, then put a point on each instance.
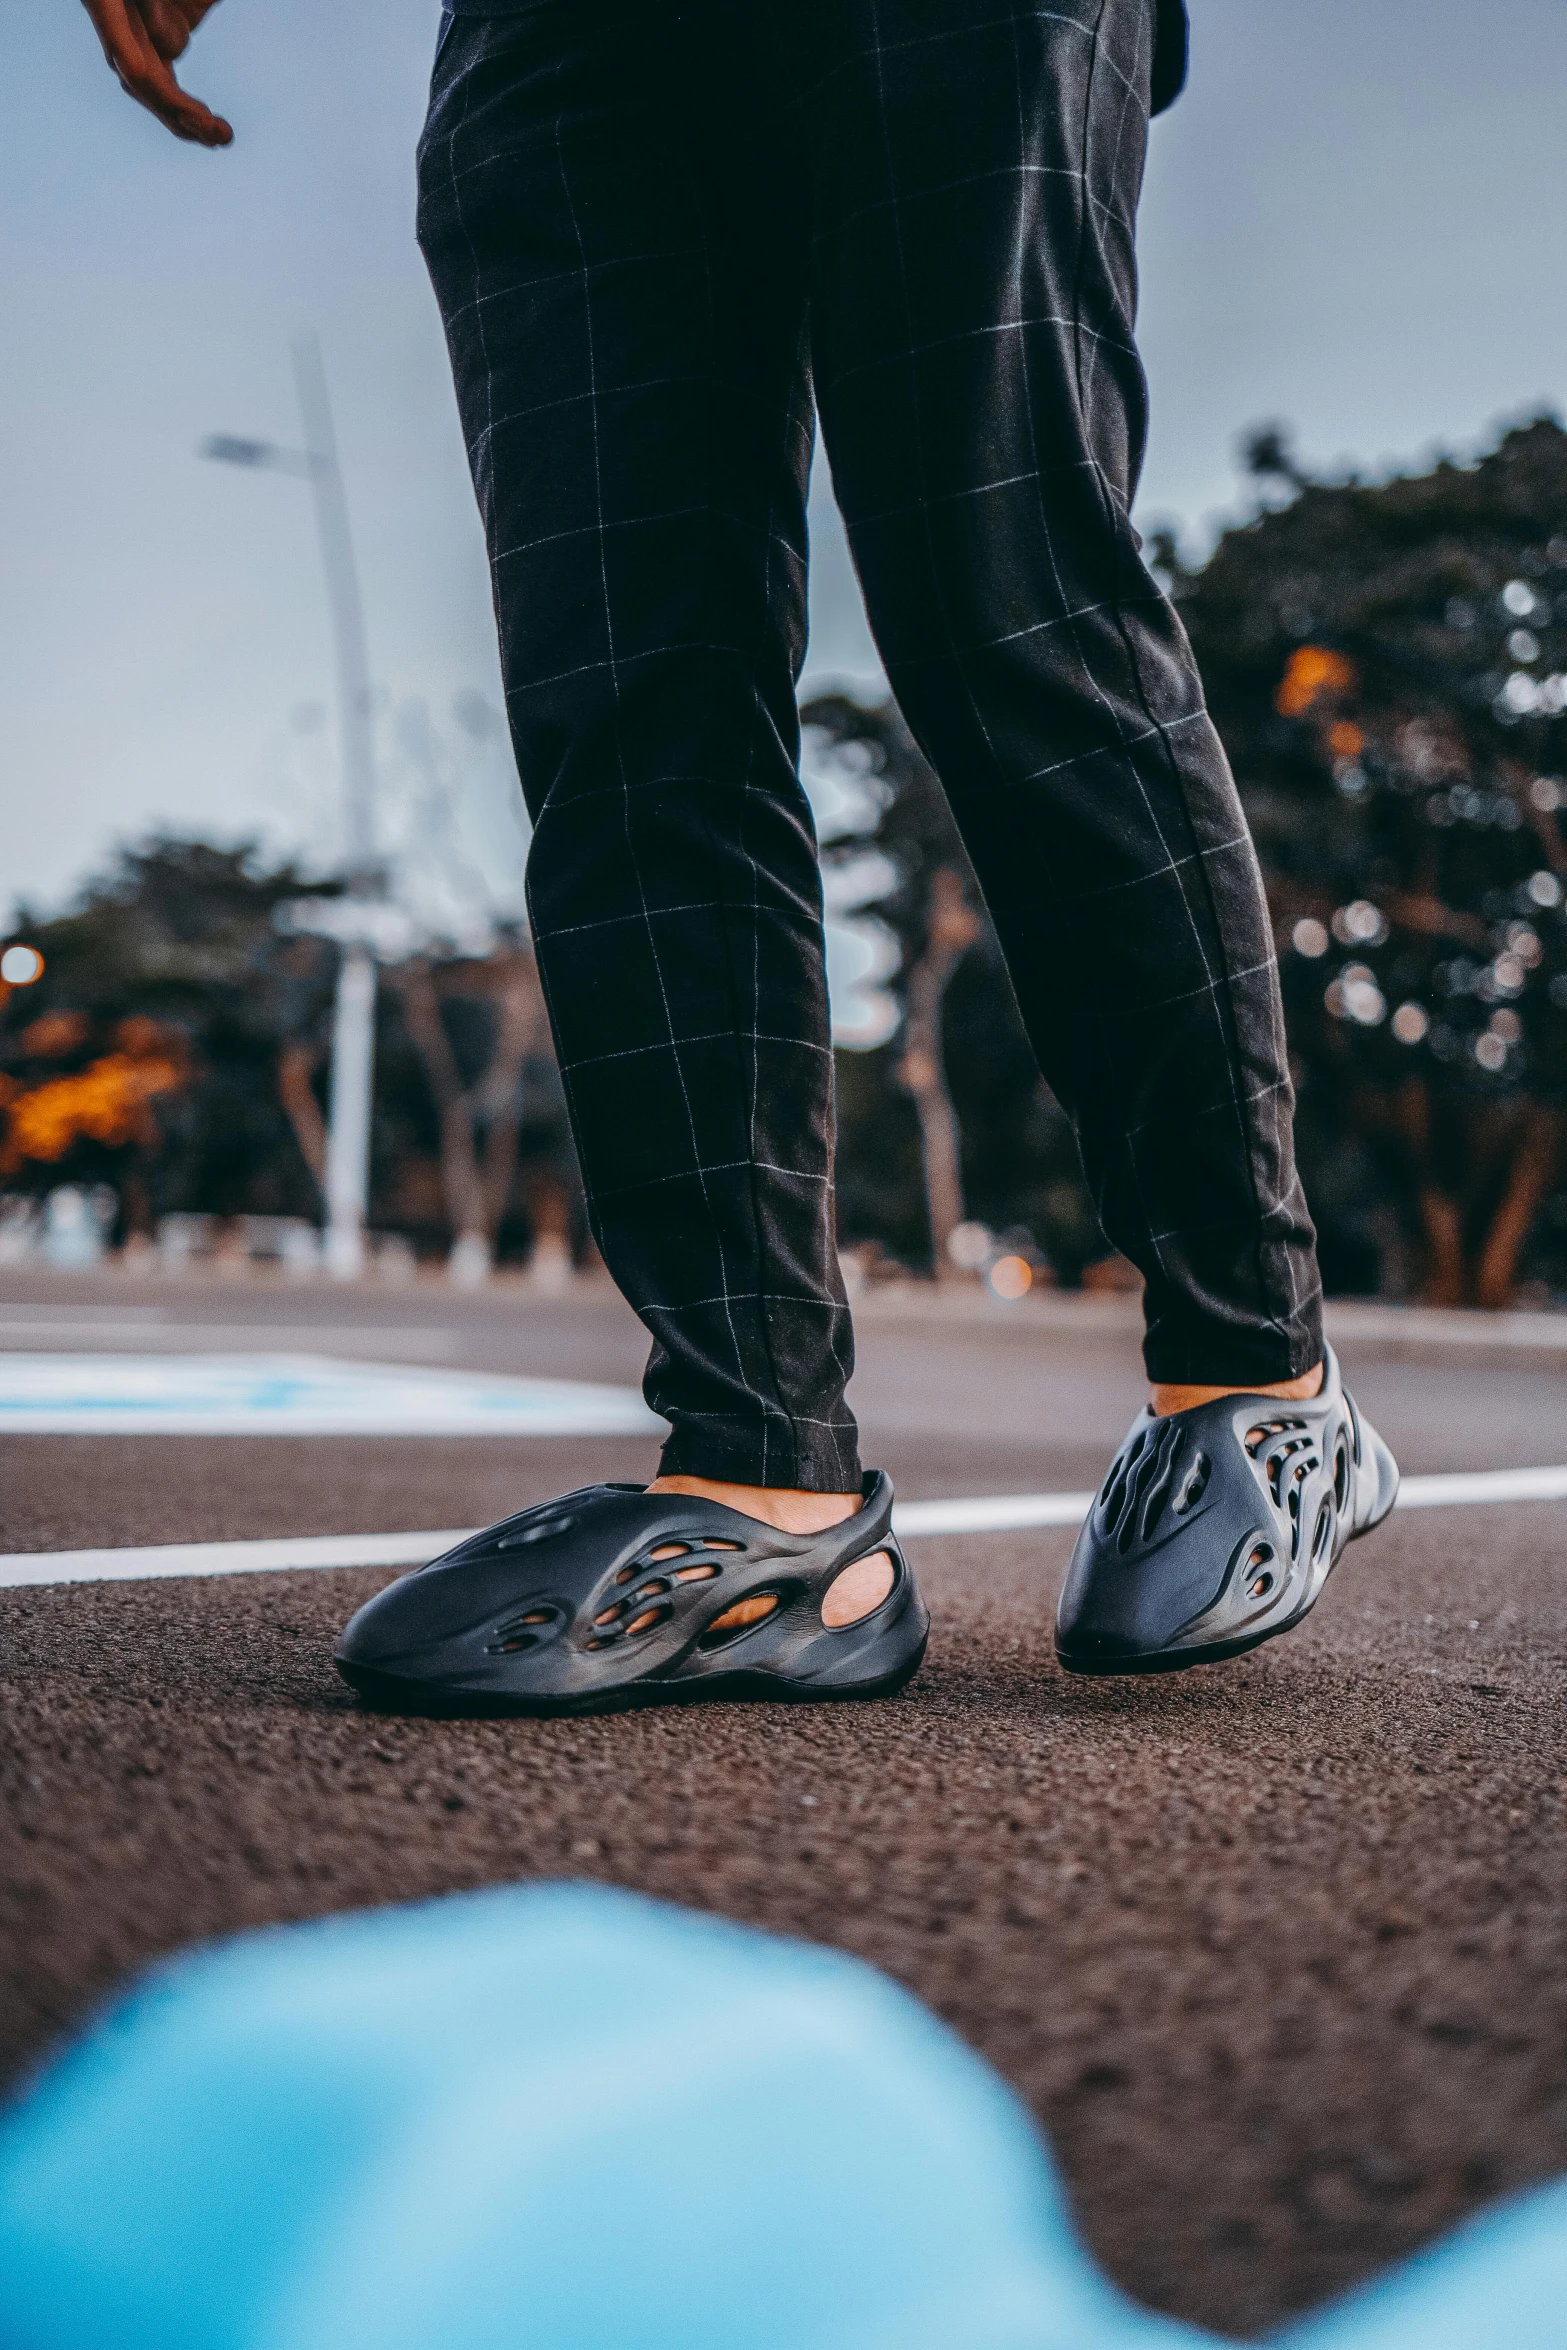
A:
(177, 1047)
(153, 1053)
(1388, 668)
(949, 1119)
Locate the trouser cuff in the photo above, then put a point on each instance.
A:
(741, 1452)
(1217, 1353)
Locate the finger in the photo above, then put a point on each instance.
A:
(146, 77)
(168, 27)
(171, 22)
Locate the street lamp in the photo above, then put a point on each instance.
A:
(347, 1177)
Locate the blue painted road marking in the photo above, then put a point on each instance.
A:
(298, 1395)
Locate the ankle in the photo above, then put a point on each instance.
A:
(1167, 1397)
(788, 1507)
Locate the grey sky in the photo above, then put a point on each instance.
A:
(1341, 227)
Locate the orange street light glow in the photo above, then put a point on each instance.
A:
(1011, 1277)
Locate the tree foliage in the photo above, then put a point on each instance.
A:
(155, 1031)
(177, 1049)
(1388, 668)
(1017, 1155)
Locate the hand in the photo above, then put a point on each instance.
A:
(140, 39)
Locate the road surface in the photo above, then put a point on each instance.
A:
(1276, 1950)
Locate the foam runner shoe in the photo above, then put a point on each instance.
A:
(1217, 1528)
(613, 1596)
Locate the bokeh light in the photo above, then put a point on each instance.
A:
(1011, 1277)
(20, 966)
(1359, 924)
(1355, 995)
(969, 1245)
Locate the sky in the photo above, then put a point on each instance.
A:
(1342, 229)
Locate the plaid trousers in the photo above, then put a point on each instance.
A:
(665, 235)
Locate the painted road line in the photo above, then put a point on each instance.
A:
(1457, 1487)
(225, 1558)
(298, 1395)
(1009, 1512)
(328, 1338)
(1003, 1513)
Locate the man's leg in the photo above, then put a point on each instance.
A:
(975, 175)
(976, 184)
(617, 234)
(616, 230)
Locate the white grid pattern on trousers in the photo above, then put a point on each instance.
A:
(656, 231)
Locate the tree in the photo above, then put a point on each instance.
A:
(148, 1054)
(482, 1033)
(950, 1117)
(1388, 668)
(177, 1048)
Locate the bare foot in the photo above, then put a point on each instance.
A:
(851, 1595)
(783, 1506)
(1167, 1398)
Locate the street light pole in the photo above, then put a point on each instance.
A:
(347, 1181)
(347, 1175)
(348, 623)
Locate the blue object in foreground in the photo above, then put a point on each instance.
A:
(571, 2119)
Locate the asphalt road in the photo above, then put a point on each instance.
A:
(1276, 1950)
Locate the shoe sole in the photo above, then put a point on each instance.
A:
(385, 1693)
(1218, 1652)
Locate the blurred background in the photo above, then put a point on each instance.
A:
(267, 996)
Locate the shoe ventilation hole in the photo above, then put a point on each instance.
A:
(675, 1550)
(545, 1531)
(656, 1589)
(641, 1609)
(1258, 1571)
(650, 1616)
(1140, 1482)
(1258, 1436)
(1323, 1534)
(863, 1586)
(1289, 1456)
(739, 1618)
(523, 1632)
(1196, 1482)
(1341, 1474)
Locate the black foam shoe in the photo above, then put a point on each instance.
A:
(613, 1596)
(1217, 1528)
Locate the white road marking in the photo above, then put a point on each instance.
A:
(1001, 1513)
(297, 1395)
(980, 1514)
(1459, 1486)
(330, 1338)
(224, 1558)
